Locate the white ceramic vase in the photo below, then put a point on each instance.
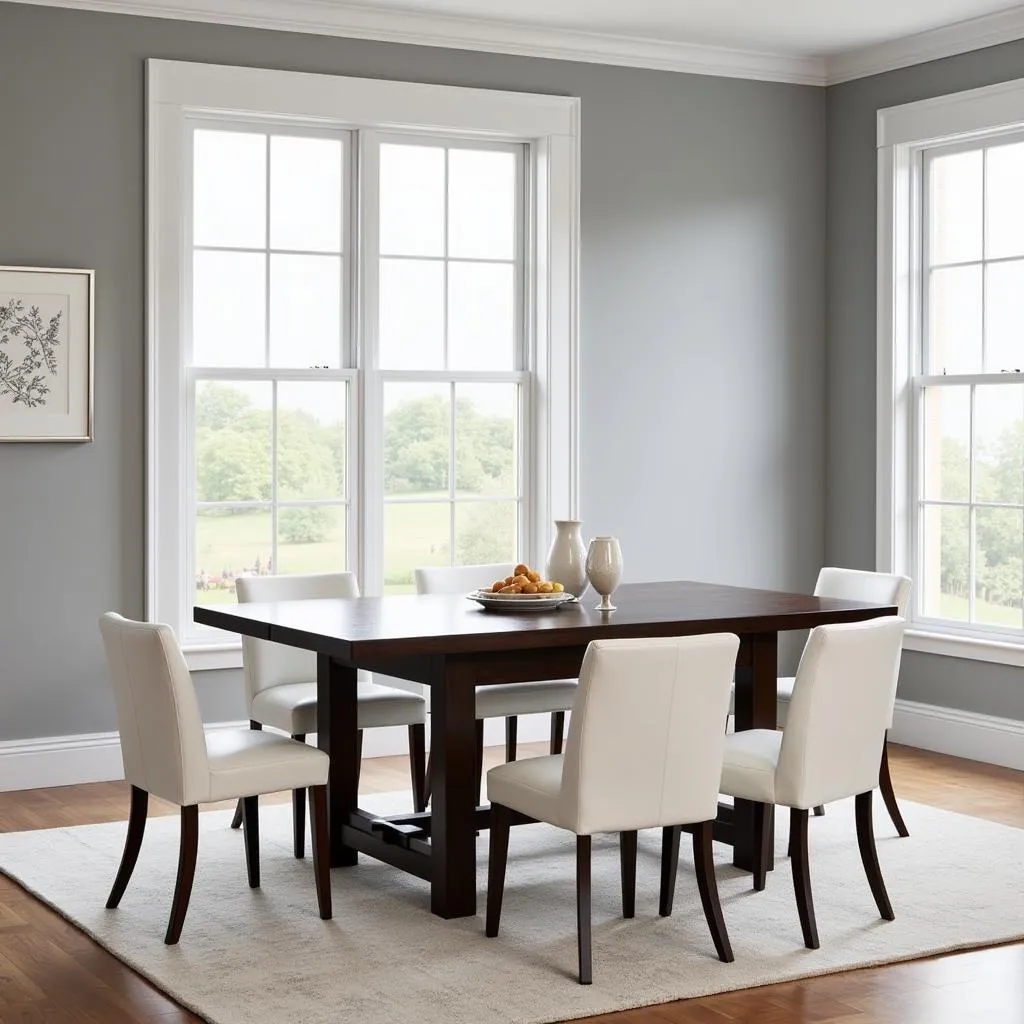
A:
(604, 569)
(567, 559)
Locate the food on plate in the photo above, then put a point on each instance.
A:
(525, 581)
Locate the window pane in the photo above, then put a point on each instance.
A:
(945, 553)
(411, 200)
(485, 531)
(1004, 316)
(481, 316)
(310, 441)
(485, 438)
(305, 311)
(311, 538)
(414, 534)
(954, 327)
(1004, 218)
(305, 194)
(232, 441)
(417, 439)
(228, 309)
(229, 543)
(411, 315)
(999, 544)
(947, 443)
(999, 443)
(481, 204)
(954, 210)
(229, 188)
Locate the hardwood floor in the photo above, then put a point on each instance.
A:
(50, 973)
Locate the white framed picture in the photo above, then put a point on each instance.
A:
(46, 354)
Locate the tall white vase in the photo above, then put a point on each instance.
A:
(567, 559)
(604, 569)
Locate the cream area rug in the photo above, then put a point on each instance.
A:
(264, 957)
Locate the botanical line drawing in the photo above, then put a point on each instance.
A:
(22, 381)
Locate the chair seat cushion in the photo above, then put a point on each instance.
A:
(748, 769)
(504, 699)
(531, 786)
(291, 707)
(245, 763)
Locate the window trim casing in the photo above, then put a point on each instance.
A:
(903, 132)
(549, 124)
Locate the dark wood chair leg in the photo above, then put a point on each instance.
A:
(762, 832)
(427, 781)
(187, 853)
(478, 759)
(707, 885)
(583, 940)
(251, 829)
(132, 845)
(627, 868)
(669, 868)
(320, 840)
(819, 811)
(802, 876)
(299, 813)
(869, 855)
(557, 731)
(511, 737)
(236, 821)
(888, 794)
(417, 765)
(497, 858)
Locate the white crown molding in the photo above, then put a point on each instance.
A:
(975, 34)
(324, 17)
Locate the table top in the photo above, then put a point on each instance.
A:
(411, 625)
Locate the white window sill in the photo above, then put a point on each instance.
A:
(213, 657)
(973, 648)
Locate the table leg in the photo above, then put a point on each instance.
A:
(452, 757)
(337, 736)
(756, 694)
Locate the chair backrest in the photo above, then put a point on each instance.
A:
(163, 745)
(645, 741)
(456, 579)
(841, 706)
(267, 664)
(860, 585)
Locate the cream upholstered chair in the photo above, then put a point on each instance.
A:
(503, 700)
(167, 753)
(280, 684)
(859, 585)
(629, 763)
(841, 706)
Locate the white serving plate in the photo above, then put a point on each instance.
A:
(519, 602)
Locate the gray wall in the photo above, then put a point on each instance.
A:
(850, 423)
(702, 322)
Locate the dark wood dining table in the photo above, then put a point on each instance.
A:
(453, 645)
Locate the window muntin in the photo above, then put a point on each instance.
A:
(969, 399)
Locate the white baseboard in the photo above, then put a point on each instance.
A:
(961, 733)
(66, 760)
(96, 757)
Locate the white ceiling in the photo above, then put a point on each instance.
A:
(812, 42)
(806, 28)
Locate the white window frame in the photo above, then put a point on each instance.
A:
(548, 125)
(904, 133)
